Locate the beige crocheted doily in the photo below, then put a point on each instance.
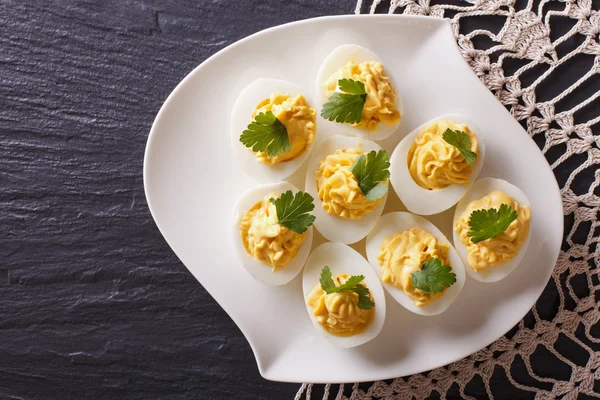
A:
(542, 61)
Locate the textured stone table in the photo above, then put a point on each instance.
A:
(94, 303)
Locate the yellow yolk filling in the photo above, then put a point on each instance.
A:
(266, 240)
(505, 246)
(338, 188)
(299, 120)
(380, 104)
(404, 253)
(338, 312)
(435, 164)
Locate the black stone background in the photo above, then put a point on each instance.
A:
(93, 302)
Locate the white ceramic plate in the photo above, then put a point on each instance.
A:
(192, 183)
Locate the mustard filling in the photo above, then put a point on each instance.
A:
(380, 104)
(404, 253)
(338, 312)
(299, 120)
(338, 188)
(505, 246)
(435, 164)
(267, 241)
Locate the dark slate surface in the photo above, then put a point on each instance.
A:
(94, 303)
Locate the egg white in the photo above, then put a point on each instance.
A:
(422, 201)
(259, 271)
(394, 222)
(332, 63)
(342, 259)
(332, 227)
(241, 117)
(482, 188)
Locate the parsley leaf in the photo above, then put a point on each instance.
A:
(371, 172)
(433, 276)
(487, 224)
(353, 284)
(462, 141)
(326, 281)
(293, 211)
(351, 86)
(266, 132)
(364, 300)
(349, 284)
(328, 285)
(346, 106)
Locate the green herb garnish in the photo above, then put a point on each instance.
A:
(293, 210)
(353, 284)
(346, 106)
(433, 277)
(462, 141)
(371, 172)
(487, 224)
(266, 132)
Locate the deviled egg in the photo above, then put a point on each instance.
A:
(492, 229)
(272, 129)
(343, 296)
(434, 165)
(348, 198)
(416, 263)
(357, 93)
(272, 231)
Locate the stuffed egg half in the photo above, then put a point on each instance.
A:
(293, 108)
(343, 213)
(399, 223)
(428, 174)
(272, 254)
(493, 259)
(382, 109)
(336, 316)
